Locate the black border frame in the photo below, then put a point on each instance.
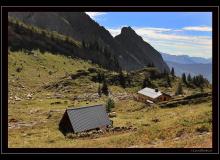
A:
(215, 49)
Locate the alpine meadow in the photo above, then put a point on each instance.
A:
(83, 80)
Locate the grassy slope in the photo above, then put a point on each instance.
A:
(177, 127)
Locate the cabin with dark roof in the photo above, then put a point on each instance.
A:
(84, 118)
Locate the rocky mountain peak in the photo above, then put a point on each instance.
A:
(129, 32)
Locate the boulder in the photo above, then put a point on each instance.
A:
(29, 95)
(17, 98)
(112, 114)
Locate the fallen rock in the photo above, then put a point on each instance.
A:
(155, 120)
(29, 95)
(13, 120)
(57, 95)
(17, 98)
(112, 114)
(34, 111)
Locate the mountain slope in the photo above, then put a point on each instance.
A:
(136, 47)
(38, 116)
(22, 36)
(81, 27)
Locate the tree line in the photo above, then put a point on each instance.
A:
(111, 60)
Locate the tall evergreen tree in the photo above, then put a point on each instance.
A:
(172, 72)
(189, 78)
(122, 79)
(105, 88)
(184, 78)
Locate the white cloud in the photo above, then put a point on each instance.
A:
(114, 32)
(93, 15)
(198, 28)
(172, 41)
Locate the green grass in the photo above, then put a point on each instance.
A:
(182, 126)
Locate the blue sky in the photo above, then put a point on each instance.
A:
(177, 33)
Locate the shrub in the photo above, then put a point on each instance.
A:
(19, 69)
(50, 72)
(99, 91)
(110, 104)
(92, 70)
(202, 129)
(179, 89)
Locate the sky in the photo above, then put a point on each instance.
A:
(176, 33)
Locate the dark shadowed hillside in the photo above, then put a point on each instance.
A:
(81, 27)
(22, 36)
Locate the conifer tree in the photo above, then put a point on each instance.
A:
(189, 78)
(105, 88)
(179, 89)
(122, 79)
(184, 78)
(172, 72)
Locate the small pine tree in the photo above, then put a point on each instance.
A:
(184, 78)
(110, 104)
(179, 89)
(105, 88)
(172, 72)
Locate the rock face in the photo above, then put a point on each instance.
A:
(140, 50)
(129, 48)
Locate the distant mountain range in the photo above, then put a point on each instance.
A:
(189, 65)
(129, 49)
(185, 59)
